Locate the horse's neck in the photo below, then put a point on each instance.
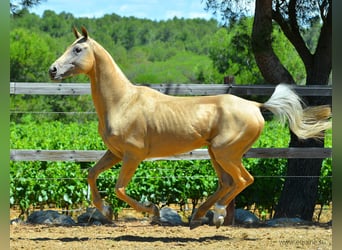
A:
(109, 85)
(108, 76)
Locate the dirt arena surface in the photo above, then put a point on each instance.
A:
(140, 234)
(137, 235)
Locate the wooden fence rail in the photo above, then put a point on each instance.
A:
(171, 89)
(198, 154)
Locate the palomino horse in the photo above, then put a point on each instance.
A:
(138, 122)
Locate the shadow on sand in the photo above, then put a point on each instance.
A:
(134, 238)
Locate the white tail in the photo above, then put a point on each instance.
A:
(307, 122)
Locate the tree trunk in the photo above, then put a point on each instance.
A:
(268, 62)
(299, 195)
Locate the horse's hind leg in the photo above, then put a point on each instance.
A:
(230, 159)
(233, 178)
(226, 151)
(106, 162)
(241, 179)
(232, 175)
(225, 183)
(246, 180)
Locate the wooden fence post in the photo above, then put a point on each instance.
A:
(229, 80)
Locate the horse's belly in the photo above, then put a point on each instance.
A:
(173, 146)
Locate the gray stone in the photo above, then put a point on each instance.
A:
(286, 222)
(50, 217)
(208, 219)
(241, 216)
(93, 216)
(170, 217)
(245, 217)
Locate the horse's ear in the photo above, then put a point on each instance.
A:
(76, 33)
(84, 32)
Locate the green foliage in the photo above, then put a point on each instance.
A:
(55, 135)
(51, 108)
(145, 48)
(290, 59)
(60, 183)
(325, 181)
(180, 68)
(173, 182)
(232, 54)
(140, 46)
(41, 183)
(30, 55)
(177, 50)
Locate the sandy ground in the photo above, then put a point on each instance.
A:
(140, 234)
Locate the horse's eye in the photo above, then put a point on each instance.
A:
(77, 50)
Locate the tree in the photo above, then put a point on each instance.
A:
(52, 24)
(232, 54)
(17, 6)
(26, 60)
(294, 17)
(269, 64)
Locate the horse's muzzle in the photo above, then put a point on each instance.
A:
(53, 72)
(58, 72)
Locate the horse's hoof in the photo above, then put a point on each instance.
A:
(107, 211)
(195, 223)
(153, 207)
(156, 211)
(156, 220)
(219, 221)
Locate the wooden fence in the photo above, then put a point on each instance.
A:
(171, 89)
(28, 88)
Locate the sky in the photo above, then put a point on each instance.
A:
(151, 9)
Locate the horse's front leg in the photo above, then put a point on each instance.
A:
(130, 164)
(106, 162)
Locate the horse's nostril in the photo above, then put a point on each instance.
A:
(52, 71)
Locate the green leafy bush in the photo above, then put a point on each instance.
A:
(45, 183)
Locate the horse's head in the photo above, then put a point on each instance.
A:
(77, 59)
